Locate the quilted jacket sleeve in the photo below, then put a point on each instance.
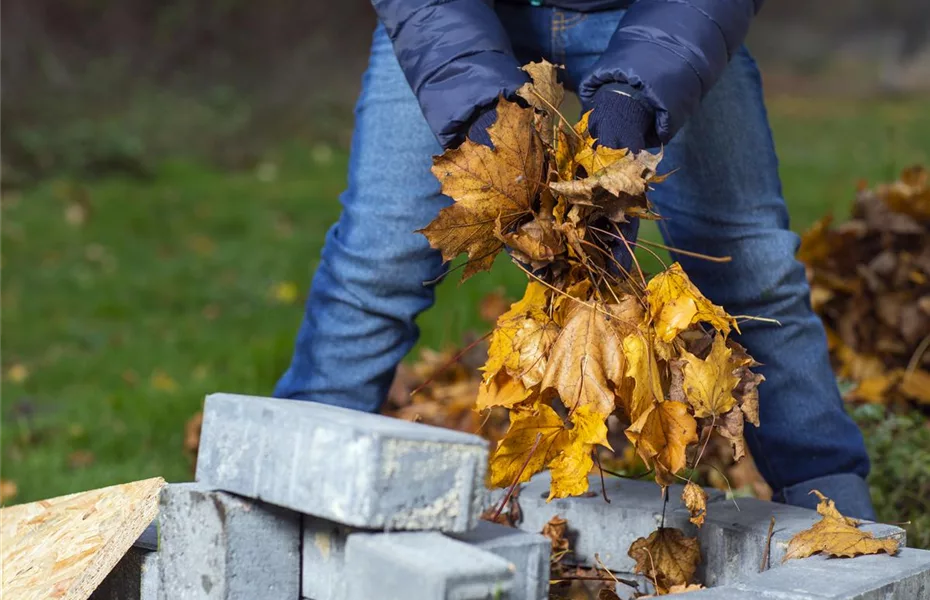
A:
(456, 57)
(672, 52)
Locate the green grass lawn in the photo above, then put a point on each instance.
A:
(126, 301)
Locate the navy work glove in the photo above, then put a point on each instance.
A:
(620, 120)
(478, 130)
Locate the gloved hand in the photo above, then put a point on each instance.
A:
(620, 120)
(478, 130)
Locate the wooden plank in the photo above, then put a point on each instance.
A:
(64, 547)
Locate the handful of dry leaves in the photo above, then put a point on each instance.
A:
(588, 339)
(870, 282)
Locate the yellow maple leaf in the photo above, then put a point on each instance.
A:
(532, 343)
(836, 535)
(675, 304)
(708, 384)
(667, 557)
(586, 359)
(571, 455)
(591, 156)
(695, 499)
(528, 442)
(623, 174)
(661, 435)
(489, 186)
(501, 351)
(501, 391)
(643, 369)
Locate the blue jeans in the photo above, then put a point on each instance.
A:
(724, 199)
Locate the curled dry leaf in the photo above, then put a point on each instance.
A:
(695, 499)
(667, 557)
(836, 535)
(555, 530)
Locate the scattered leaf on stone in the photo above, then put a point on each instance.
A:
(836, 535)
(555, 530)
(667, 557)
(695, 499)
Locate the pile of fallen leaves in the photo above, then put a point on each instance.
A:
(870, 282)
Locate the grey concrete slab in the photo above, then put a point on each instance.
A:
(528, 552)
(323, 550)
(217, 546)
(354, 468)
(905, 576)
(423, 566)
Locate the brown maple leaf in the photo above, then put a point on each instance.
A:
(667, 557)
(545, 93)
(836, 535)
(661, 435)
(695, 499)
(488, 186)
(586, 359)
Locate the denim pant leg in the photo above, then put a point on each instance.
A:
(369, 286)
(726, 200)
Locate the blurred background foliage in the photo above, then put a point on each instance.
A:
(170, 169)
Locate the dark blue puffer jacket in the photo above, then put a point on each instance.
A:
(458, 59)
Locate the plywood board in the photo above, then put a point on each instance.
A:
(63, 548)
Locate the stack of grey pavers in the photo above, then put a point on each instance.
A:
(296, 500)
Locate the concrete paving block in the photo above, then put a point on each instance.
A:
(354, 468)
(734, 533)
(596, 527)
(135, 577)
(905, 576)
(528, 552)
(217, 546)
(323, 559)
(423, 566)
